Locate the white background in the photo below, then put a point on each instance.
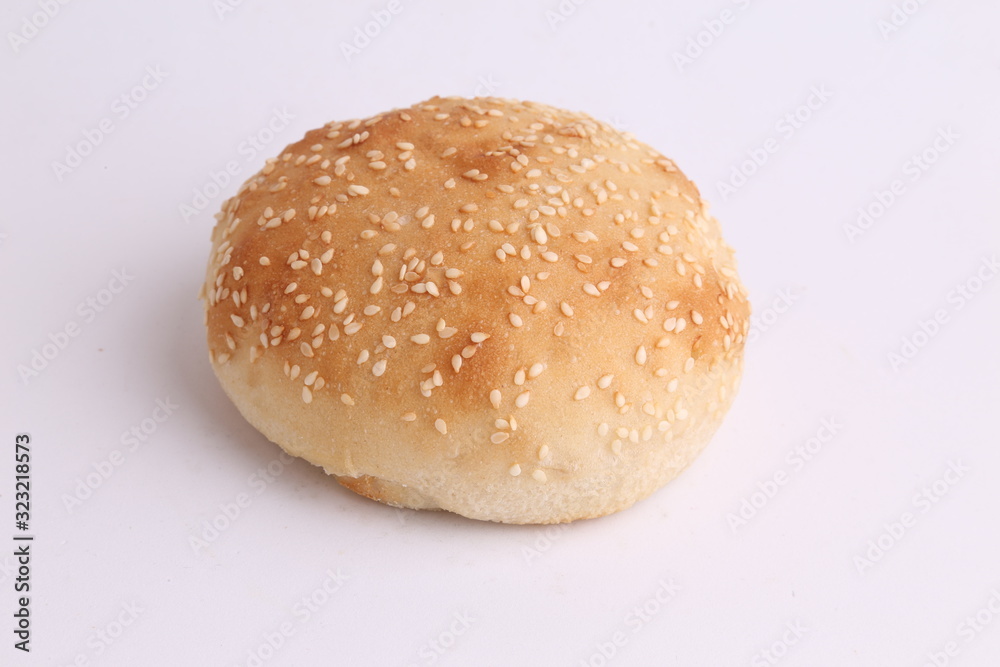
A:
(530, 595)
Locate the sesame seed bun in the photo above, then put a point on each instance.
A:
(492, 307)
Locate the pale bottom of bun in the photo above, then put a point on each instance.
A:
(390, 493)
(375, 456)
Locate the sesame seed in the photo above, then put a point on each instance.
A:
(379, 368)
(535, 370)
(514, 470)
(356, 189)
(346, 399)
(237, 320)
(495, 398)
(640, 355)
(522, 399)
(605, 381)
(441, 426)
(311, 378)
(456, 362)
(307, 396)
(566, 309)
(543, 452)
(322, 180)
(514, 318)
(389, 341)
(409, 417)
(421, 339)
(479, 337)
(539, 475)
(591, 289)
(582, 393)
(696, 317)
(499, 437)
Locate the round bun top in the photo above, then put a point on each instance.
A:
(494, 307)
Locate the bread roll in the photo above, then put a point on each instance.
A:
(497, 308)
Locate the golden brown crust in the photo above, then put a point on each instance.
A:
(427, 301)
